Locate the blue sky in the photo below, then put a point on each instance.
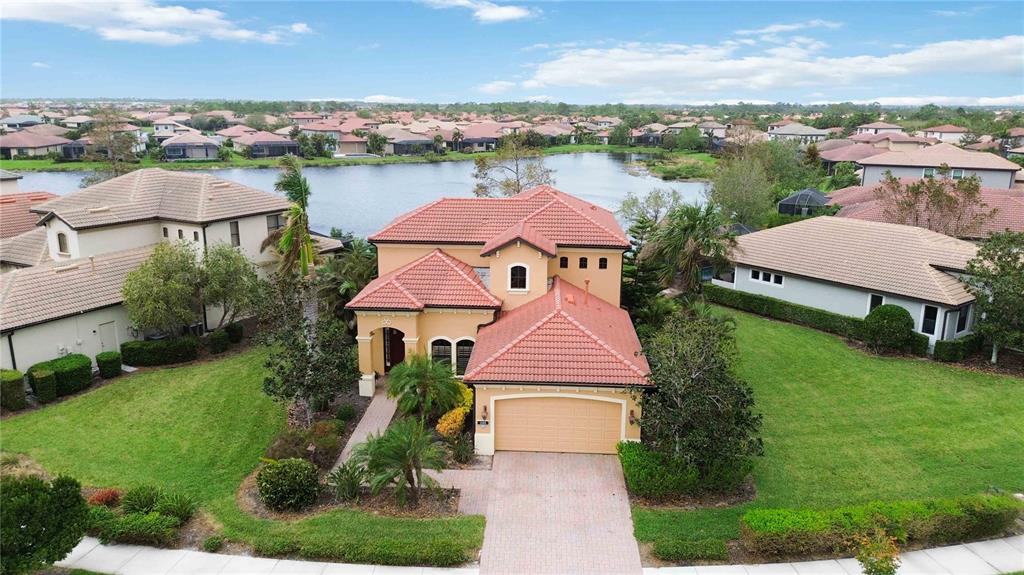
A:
(477, 50)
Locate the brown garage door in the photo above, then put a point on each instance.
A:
(560, 424)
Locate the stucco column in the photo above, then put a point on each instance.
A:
(367, 382)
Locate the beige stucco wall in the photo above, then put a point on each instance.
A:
(393, 256)
(252, 231)
(536, 263)
(98, 241)
(75, 334)
(605, 284)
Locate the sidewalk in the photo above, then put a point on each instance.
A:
(980, 558)
(375, 419)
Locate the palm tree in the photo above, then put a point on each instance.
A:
(423, 386)
(457, 137)
(398, 456)
(293, 242)
(686, 238)
(341, 278)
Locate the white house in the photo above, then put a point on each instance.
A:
(992, 170)
(946, 133)
(798, 132)
(850, 267)
(712, 129)
(879, 128)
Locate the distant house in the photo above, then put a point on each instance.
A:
(236, 131)
(946, 133)
(712, 129)
(806, 202)
(47, 130)
(850, 153)
(331, 129)
(894, 141)
(351, 144)
(879, 128)
(266, 145)
(76, 122)
(605, 121)
(678, 127)
(190, 146)
(992, 170)
(405, 143)
(1015, 138)
(798, 132)
(20, 121)
(169, 126)
(480, 137)
(27, 144)
(301, 118)
(779, 124)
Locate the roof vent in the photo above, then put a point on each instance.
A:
(98, 209)
(65, 268)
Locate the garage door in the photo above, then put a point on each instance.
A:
(560, 424)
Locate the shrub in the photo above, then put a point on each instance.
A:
(462, 448)
(235, 332)
(877, 554)
(141, 499)
(213, 543)
(465, 397)
(43, 383)
(669, 549)
(346, 412)
(288, 484)
(651, 475)
(787, 532)
(888, 328)
(178, 505)
(958, 349)
(451, 423)
(137, 528)
(794, 313)
(292, 443)
(12, 390)
(40, 522)
(160, 352)
(108, 497)
(918, 344)
(109, 363)
(219, 341)
(72, 372)
(346, 480)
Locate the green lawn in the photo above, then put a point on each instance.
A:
(841, 426)
(202, 428)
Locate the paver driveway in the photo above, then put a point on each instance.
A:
(554, 513)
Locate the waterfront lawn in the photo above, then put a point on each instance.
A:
(201, 429)
(845, 427)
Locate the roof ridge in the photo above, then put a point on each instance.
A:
(585, 216)
(601, 342)
(392, 276)
(453, 262)
(398, 284)
(510, 344)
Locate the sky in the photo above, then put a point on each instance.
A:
(440, 51)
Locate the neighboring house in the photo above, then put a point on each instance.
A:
(47, 130)
(190, 146)
(301, 118)
(806, 202)
(520, 296)
(946, 133)
(849, 153)
(894, 142)
(481, 137)
(992, 170)
(20, 121)
(405, 143)
(237, 131)
(351, 144)
(712, 129)
(16, 216)
(76, 122)
(1015, 138)
(798, 132)
(605, 121)
(265, 145)
(27, 144)
(678, 127)
(9, 182)
(779, 124)
(329, 129)
(850, 267)
(24, 250)
(879, 128)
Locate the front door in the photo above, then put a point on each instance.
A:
(394, 348)
(108, 336)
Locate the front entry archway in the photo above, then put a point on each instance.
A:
(394, 348)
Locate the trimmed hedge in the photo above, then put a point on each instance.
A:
(109, 363)
(72, 373)
(218, 341)
(801, 532)
(888, 327)
(160, 351)
(288, 484)
(235, 331)
(651, 475)
(958, 349)
(43, 383)
(12, 390)
(690, 550)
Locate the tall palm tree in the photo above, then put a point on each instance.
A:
(423, 386)
(457, 137)
(293, 242)
(688, 237)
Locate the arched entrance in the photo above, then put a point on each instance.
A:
(394, 347)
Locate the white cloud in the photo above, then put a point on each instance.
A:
(42, 65)
(383, 99)
(960, 13)
(496, 87)
(1017, 100)
(487, 12)
(540, 98)
(146, 22)
(793, 27)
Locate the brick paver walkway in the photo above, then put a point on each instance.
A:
(376, 418)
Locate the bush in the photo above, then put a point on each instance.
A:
(72, 373)
(668, 549)
(794, 313)
(288, 484)
(43, 383)
(958, 349)
(878, 554)
(12, 390)
(346, 480)
(465, 396)
(346, 412)
(108, 497)
(651, 475)
(136, 528)
(462, 448)
(918, 344)
(141, 499)
(219, 341)
(160, 351)
(451, 423)
(291, 443)
(213, 543)
(888, 328)
(235, 332)
(109, 363)
(790, 532)
(178, 505)
(40, 522)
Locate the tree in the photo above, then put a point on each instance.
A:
(514, 168)
(438, 144)
(256, 121)
(457, 137)
(164, 292)
(343, 277)
(969, 139)
(689, 237)
(996, 278)
(742, 190)
(423, 386)
(652, 207)
(700, 410)
(375, 143)
(690, 139)
(398, 457)
(844, 175)
(111, 144)
(209, 122)
(40, 522)
(942, 204)
(293, 242)
(230, 282)
(620, 135)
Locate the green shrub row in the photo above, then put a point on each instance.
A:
(686, 550)
(109, 363)
(218, 341)
(651, 475)
(958, 349)
(71, 373)
(43, 383)
(160, 351)
(12, 390)
(801, 532)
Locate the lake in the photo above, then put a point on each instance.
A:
(363, 199)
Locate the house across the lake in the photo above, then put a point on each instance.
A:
(992, 170)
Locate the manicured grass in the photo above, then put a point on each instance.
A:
(201, 429)
(845, 427)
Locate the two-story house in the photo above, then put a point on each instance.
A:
(520, 296)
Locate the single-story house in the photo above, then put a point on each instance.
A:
(237, 130)
(805, 202)
(946, 133)
(20, 121)
(190, 146)
(266, 145)
(849, 267)
(28, 144)
(713, 129)
(78, 121)
(47, 130)
(992, 170)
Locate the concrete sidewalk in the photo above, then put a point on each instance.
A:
(376, 419)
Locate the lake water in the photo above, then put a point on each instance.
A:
(362, 199)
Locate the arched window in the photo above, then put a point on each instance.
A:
(441, 350)
(463, 349)
(602, 264)
(583, 263)
(563, 262)
(517, 277)
(62, 243)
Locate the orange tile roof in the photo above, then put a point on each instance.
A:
(562, 337)
(541, 216)
(15, 217)
(934, 156)
(435, 280)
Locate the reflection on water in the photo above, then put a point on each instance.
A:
(362, 199)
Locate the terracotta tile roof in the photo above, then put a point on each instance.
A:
(561, 219)
(562, 337)
(25, 249)
(153, 193)
(237, 130)
(15, 217)
(29, 140)
(934, 156)
(261, 138)
(47, 130)
(434, 280)
(852, 153)
(888, 258)
(896, 137)
(189, 139)
(880, 125)
(947, 129)
(59, 289)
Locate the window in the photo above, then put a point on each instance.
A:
(62, 243)
(463, 349)
(602, 264)
(583, 263)
(958, 174)
(874, 301)
(961, 320)
(181, 234)
(236, 239)
(441, 351)
(766, 277)
(777, 279)
(165, 233)
(517, 277)
(931, 313)
(563, 262)
(275, 221)
(755, 274)
(929, 172)
(195, 236)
